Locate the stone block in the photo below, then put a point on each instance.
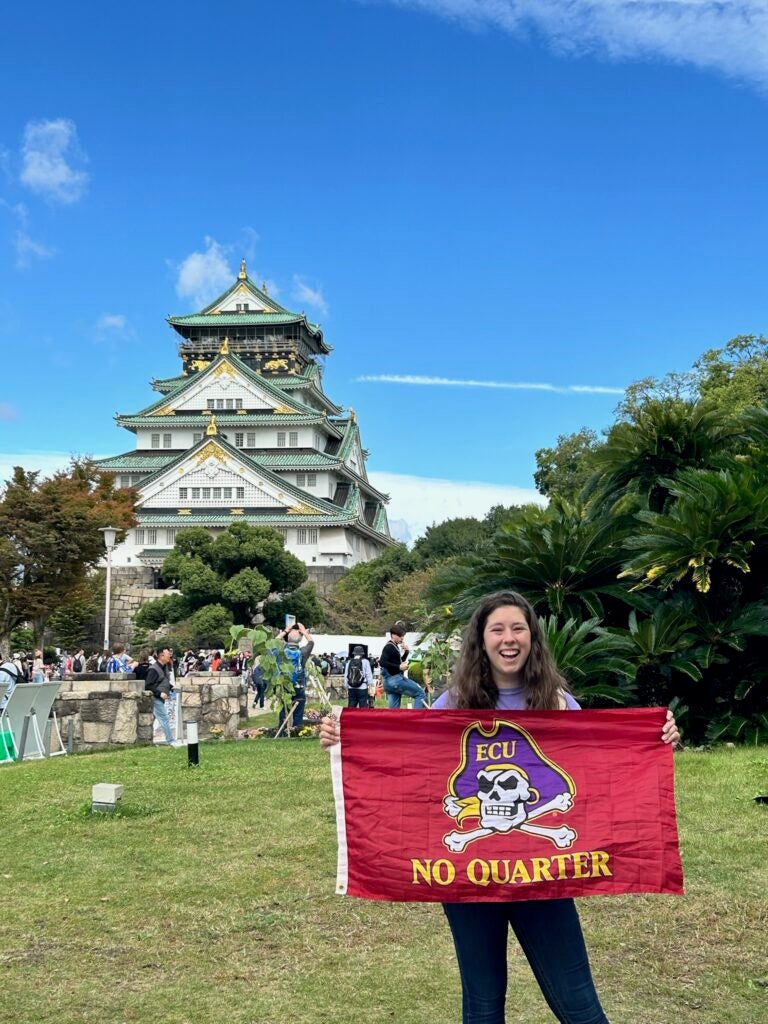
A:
(96, 733)
(191, 700)
(101, 709)
(125, 729)
(106, 793)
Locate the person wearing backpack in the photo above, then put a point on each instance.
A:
(297, 657)
(78, 661)
(357, 677)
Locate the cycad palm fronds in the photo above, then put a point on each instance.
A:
(717, 518)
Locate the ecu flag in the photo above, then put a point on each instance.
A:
(455, 806)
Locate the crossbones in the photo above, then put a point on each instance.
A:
(503, 798)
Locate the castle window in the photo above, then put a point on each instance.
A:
(293, 439)
(125, 480)
(251, 439)
(239, 493)
(167, 440)
(211, 403)
(238, 403)
(227, 494)
(155, 441)
(197, 438)
(182, 494)
(306, 535)
(229, 403)
(239, 440)
(217, 494)
(170, 536)
(281, 439)
(219, 403)
(138, 536)
(206, 493)
(151, 538)
(311, 479)
(195, 494)
(301, 480)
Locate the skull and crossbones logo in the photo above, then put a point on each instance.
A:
(504, 797)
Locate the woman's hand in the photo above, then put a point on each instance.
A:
(670, 733)
(329, 732)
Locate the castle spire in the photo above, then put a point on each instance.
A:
(242, 275)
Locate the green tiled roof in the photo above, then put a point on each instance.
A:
(301, 460)
(169, 383)
(137, 460)
(222, 421)
(257, 517)
(235, 319)
(252, 286)
(263, 383)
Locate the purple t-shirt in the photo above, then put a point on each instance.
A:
(509, 700)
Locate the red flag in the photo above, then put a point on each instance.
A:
(461, 806)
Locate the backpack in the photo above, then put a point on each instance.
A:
(77, 664)
(114, 665)
(355, 676)
(298, 675)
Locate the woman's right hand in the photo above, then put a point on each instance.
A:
(329, 732)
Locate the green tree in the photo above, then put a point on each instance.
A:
(564, 470)
(451, 537)
(50, 540)
(303, 603)
(210, 625)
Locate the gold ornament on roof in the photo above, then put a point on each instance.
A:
(211, 451)
(243, 274)
(224, 369)
(285, 410)
(236, 511)
(301, 509)
(166, 410)
(276, 364)
(199, 364)
(224, 350)
(352, 414)
(185, 511)
(211, 430)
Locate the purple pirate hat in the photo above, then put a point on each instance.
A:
(507, 746)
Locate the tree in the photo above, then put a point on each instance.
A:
(355, 604)
(50, 540)
(452, 537)
(228, 577)
(303, 603)
(563, 470)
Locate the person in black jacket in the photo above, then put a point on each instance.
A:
(158, 682)
(393, 664)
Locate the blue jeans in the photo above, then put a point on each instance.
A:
(161, 714)
(550, 935)
(299, 698)
(396, 686)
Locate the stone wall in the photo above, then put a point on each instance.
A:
(213, 698)
(132, 587)
(325, 576)
(114, 710)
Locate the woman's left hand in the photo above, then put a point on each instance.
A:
(670, 733)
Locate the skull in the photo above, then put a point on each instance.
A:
(502, 795)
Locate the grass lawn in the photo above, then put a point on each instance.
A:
(210, 900)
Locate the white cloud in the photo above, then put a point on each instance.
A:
(504, 385)
(204, 275)
(49, 151)
(312, 297)
(8, 412)
(33, 461)
(730, 37)
(419, 501)
(27, 250)
(113, 327)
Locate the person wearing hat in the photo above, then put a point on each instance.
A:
(394, 662)
(357, 678)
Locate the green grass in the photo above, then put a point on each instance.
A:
(209, 899)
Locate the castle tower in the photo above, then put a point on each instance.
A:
(246, 432)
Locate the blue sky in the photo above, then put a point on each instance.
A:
(569, 195)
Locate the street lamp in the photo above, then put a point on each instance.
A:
(110, 534)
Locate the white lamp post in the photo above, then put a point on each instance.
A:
(110, 534)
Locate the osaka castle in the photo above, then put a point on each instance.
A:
(247, 433)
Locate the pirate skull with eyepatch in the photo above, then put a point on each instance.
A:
(503, 793)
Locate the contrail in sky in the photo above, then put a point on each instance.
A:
(503, 385)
